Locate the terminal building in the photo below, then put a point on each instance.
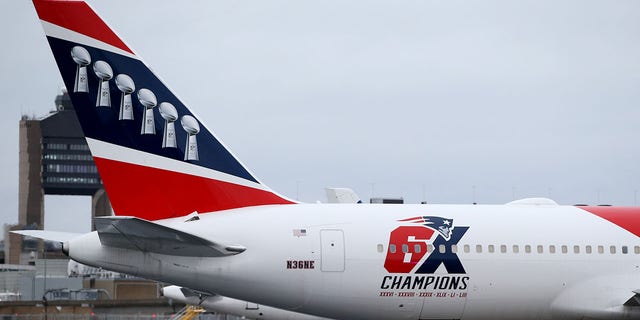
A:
(36, 278)
(54, 159)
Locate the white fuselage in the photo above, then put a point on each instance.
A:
(519, 261)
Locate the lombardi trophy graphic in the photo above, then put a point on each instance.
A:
(104, 73)
(170, 115)
(148, 100)
(191, 126)
(82, 58)
(126, 86)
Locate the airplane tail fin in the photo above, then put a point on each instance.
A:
(155, 158)
(342, 195)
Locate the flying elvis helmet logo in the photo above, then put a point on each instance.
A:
(408, 249)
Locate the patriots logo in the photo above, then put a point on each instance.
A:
(414, 237)
(442, 225)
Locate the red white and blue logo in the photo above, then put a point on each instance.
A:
(409, 246)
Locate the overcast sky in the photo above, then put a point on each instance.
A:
(443, 101)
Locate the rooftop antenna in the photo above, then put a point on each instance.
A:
(474, 194)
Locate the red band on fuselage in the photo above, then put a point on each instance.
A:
(627, 218)
(84, 21)
(153, 194)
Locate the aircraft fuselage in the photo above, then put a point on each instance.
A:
(363, 262)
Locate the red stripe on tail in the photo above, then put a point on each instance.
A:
(154, 194)
(83, 20)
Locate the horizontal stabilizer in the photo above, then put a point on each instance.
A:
(194, 293)
(138, 234)
(635, 300)
(48, 235)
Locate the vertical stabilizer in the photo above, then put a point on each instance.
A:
(155, 157)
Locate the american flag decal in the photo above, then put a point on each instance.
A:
(299, 232)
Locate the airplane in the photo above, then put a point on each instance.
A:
(189, 213)
(225, 305)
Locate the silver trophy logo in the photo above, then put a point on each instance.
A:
(170, 115)
(191, 126)
(104, 73)
(148, 101)
(82, 58)
(126, 85)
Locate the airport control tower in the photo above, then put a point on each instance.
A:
(54, 160)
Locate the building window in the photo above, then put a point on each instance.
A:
(71, 180)
(78, 147)
(64, 156)
(56, 146)
(71, 168)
